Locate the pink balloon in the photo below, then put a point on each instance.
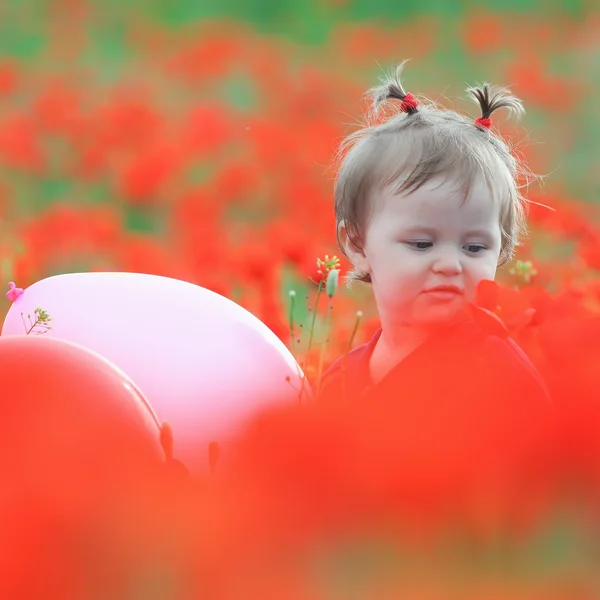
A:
(205, 364)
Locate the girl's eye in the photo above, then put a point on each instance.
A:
(474, 248)
(421, 245)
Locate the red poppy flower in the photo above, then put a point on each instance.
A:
(20, 145)
(483, 31)
(508, 305)
(9, 77)
(146, 175)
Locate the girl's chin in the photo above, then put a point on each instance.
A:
(441, 316)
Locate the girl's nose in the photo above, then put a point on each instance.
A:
(447, 262)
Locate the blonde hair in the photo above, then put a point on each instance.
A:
(419, 141)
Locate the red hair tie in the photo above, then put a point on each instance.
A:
(409, 102)
(487, 122)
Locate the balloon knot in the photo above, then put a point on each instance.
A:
(13, 292)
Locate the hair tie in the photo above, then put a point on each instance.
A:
(484, 122)
(409, 103)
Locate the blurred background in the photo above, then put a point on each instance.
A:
(195, 139)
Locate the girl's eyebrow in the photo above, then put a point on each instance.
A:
(420, 229)
(412, 229)
(479, 233)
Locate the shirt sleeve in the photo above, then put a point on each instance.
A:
(510, 373)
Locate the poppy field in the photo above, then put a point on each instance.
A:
(199, 143)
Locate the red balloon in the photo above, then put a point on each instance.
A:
(79, 449)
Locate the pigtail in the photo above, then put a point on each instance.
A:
(391, 88)
(490, 98)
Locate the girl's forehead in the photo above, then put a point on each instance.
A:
(440, 192)
(439, 201)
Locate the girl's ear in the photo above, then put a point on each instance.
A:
(353, 251)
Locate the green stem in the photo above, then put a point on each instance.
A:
(310, 339)
(32, 326)
(292, 340)
(291, 320)
(324, 345)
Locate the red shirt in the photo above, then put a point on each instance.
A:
(466, 363)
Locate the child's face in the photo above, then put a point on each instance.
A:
(417, 244)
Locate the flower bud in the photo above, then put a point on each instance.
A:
(332, 282)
